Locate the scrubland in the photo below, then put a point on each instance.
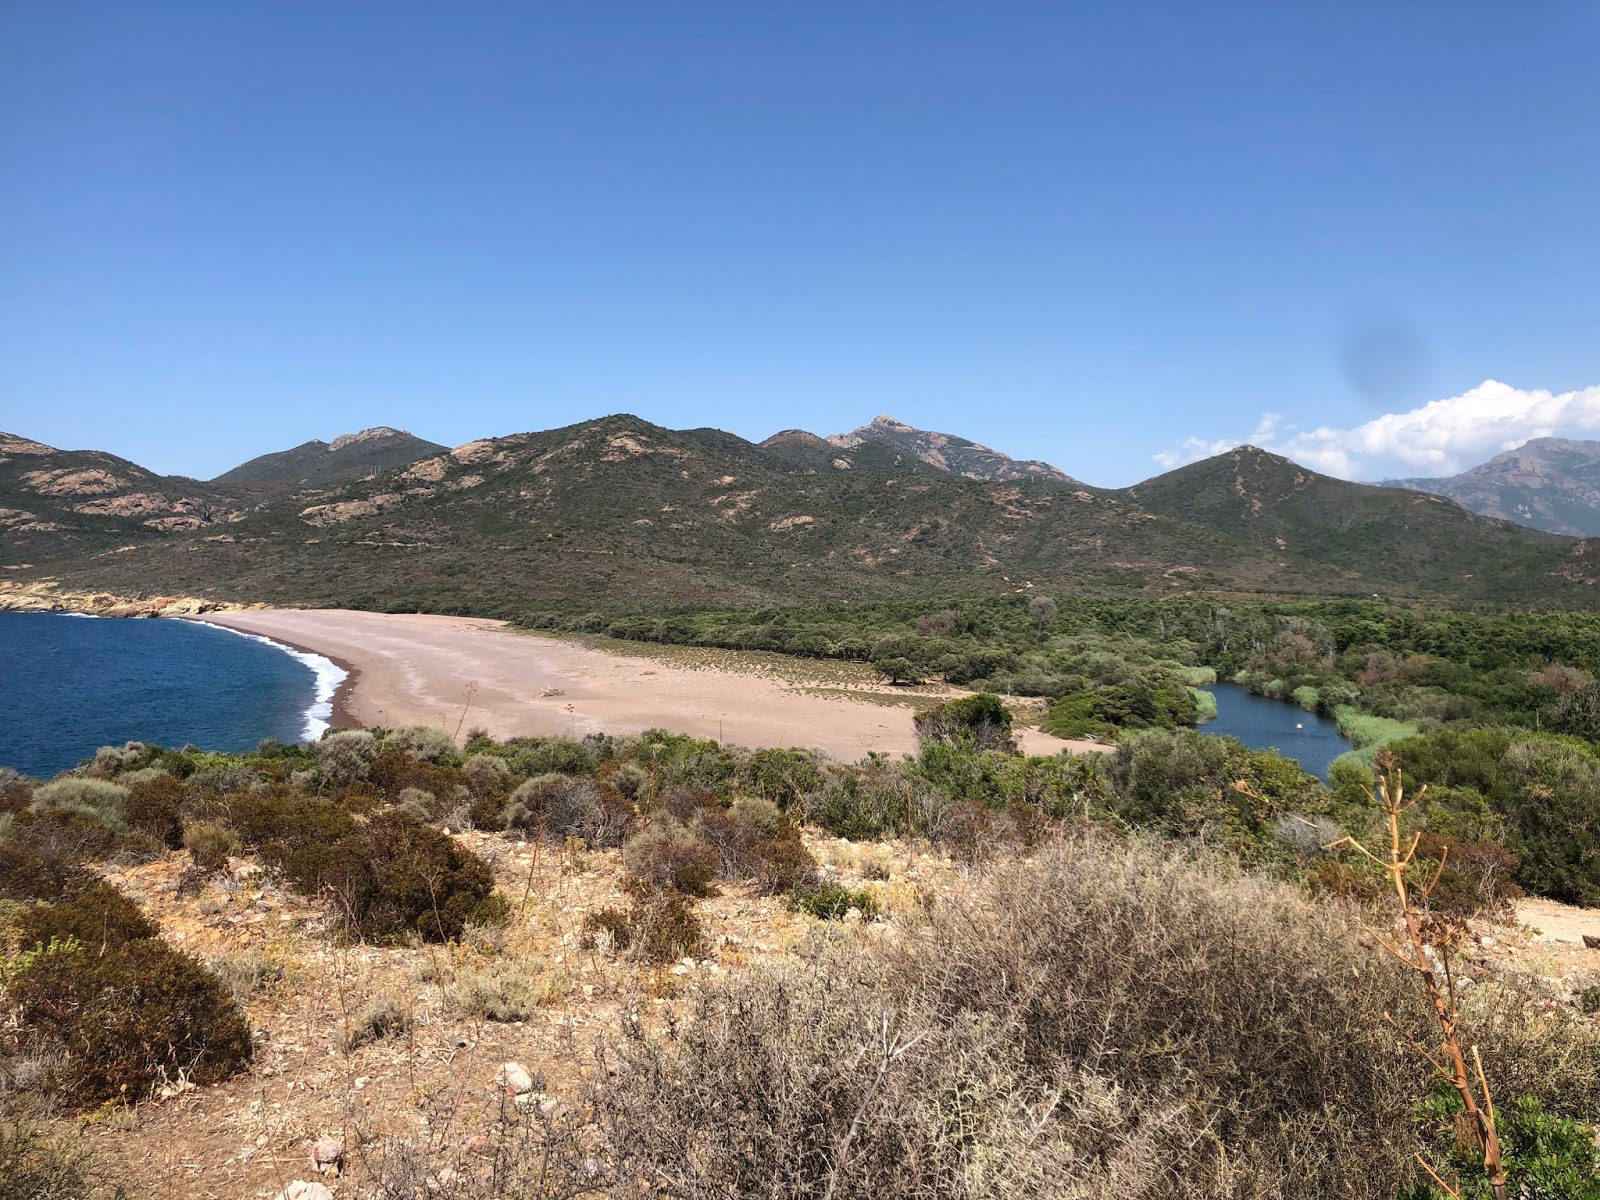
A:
(658, 966)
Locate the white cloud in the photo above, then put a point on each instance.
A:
(1441, 437)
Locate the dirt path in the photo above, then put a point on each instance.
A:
(412, 668)
(1557, 922)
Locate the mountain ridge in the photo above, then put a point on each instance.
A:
(619, 513)
(946, 452)
(321, 464)
(1550, 483)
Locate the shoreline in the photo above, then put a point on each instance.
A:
(340, 715)
(467, 672)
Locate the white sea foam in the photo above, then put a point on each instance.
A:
(85, 616)
(329, 676)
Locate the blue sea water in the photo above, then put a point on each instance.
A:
(1266, 724)
(70, 684)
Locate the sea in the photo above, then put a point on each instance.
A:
(71, 683)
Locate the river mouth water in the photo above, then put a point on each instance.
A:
(1264, 724)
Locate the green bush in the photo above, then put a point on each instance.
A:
(91, 911)
(781, 776)
(394, 876)
(562, 756)
(1547, 1157)
(983, 721)
(346, 754)
(295, 835)
(1184, 783)
(427, 742)
(95, 799)
(831, 901)
(155, 806)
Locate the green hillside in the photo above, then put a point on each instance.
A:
(618, 514)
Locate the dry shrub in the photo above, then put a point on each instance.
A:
(210, 843)
(561, 806)
(1108, 1020)
(385, 1015)
(245, 975)
(665, 854)
(1477, 877)
(37, 1163)
(505, 989)
(755, 841)
(656, 927)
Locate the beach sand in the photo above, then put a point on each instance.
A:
(415, 669)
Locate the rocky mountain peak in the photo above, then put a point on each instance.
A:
(946, 452)
(376, 433)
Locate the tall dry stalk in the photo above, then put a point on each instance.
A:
(1423, 929)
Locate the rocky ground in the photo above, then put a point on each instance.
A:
(376, 1054)
(429, 1083)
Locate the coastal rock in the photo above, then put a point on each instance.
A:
(45, 596)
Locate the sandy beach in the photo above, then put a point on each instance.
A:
(467, 672)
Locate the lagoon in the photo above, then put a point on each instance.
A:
(1264, 724)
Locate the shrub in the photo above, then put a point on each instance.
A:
(561, 807)
(394, 875)
(657, 926)
(865, 802)
(345, 754)
(26, 874)
(210, 843)
(93, 912)
(95, 799)
(781, 776)
(155, 806)
(295, 835)
(630, 780)
(128, 1015)
(560, 755)
(1477, 877)
(486, 773)
(753, 840)
(383, 1016)
(831, 901)
(37, 1164)
(981, 720)
(244, 975)
(505, 989)
(427, 742)
(664, 854)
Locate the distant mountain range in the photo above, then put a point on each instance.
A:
(1549, 483)
(619, 514)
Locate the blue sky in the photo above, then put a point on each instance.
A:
(1093, 234)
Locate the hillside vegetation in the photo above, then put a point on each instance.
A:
(1048, 982)
(621, 515)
